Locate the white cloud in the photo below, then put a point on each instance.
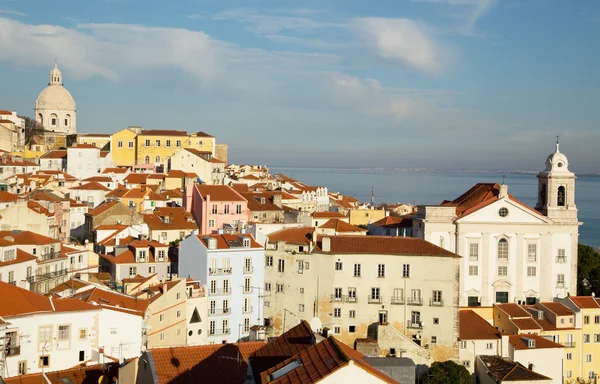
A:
(11, 12)
(403, 42)
(477, 8)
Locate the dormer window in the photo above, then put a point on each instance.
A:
(246, 242)
(142, 256)
(166, 219)
(161, 255)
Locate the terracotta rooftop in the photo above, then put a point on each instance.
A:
(202, 154)
(74, 284)
(91, 186)
(260, 202)
(528, 324)
(207, 364)
(474, 327)
(219, 192)
(302, 235)
(55, 154)
(393, 222)
(19, 302)
(28, 237)
(385, 245)
(6, 197)
(584, 301)
(503, 370)
(99, 179)
(319, 361)
(21, 257)
(76, 375)
(520, 342)
(513, 310)
(83, 146)
(102, 208)
(115, 170)
(163, 132)
(94, 134)
(558, 308)
(202, 134)
(106, 298)
(227, 241)
(136, 178)
(168, 218)
(341, 226)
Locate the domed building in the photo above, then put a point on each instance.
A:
(55, 108)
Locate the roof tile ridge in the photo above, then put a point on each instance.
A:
(339, 349)
(516, 365)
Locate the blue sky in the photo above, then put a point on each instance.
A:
(404, 83)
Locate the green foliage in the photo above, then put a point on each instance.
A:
(447, 372)
(32, 129)
(588, 270)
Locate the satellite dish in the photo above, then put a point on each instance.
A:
(87, 241)
(315, 324)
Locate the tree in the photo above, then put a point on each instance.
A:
(32, 130)
(447, 372)
(588, 270)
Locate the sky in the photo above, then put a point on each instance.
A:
(444, 84)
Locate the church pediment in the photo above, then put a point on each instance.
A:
(505, 211)
(501, 283)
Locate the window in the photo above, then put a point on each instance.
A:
(473, 270)
(473, 251)
(436, 321)
(588, 358)
(120, 144)
(306, 265)
(436, 297)
(338, 265)
(406, 270)
(147, 142)
(352, 313)
(301, 289)
(280, 265)
(247, 285)
(381, 270)
(560, 198)
(226, 209)
(375, 293)
(131, 144)
(157, 159)
(503, 249)
(586, 338)
(463, 344)
(64, 332)
(352, 294)
(586, 319)
(113, 331)
(503, 212)
(560, 281)
(22, 367)
(45, 334)
(158, 143)
(214, 209)
(132, 271)
(569, 374)
(337, 312)
(82, 334)
(489, 346)
(225, 286)
(246, 324)
(279, 288)
(337, 294)
(569, 356)
(300, 307)
(168, 143)
(597, 319)
(502, 271)
(531, 252)
(300, 267)
(211, 223)
(267, 287)
(178, 313)
(44, 361)
(337, 330)
(351, 328)
(238, 209)
(147, 159)
(178, 143)
(356, 270)
(161, 317)
(562, 256)
(466, 363)
(269, 261)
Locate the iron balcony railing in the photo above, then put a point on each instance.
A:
(50, 256)
(12, 351)
(398, 300)
(375, 299)
(436, 303)
(219, 271)
(248, 270)
(561, 259)
(568, 344)
(414, 301)
(225, 331)
(219, 292)
(219, 311)
(414, 324)
(46, 276)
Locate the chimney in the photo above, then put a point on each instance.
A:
(277, 200)
(120, 249)
(165, 288)
(326, 244)
(503, 191)
(504, 347)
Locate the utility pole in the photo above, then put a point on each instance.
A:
(285, 310)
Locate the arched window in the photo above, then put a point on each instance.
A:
(561, 196)
(67, 120)
(53, 120)
(40, 119)
(157, 160)
(147, 159)
(503, 249)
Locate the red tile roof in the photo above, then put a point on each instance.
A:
(474, 327)
(91, 186)
(115, 170)
(136, 178)
(584, 301)
(77, 375)
(341, 226)
(106, 298)
(385, 245)
(558, 308)
(207, 364)
(202, 134)
(99, 179)
(83, 146)
(219, 192)
(178, 218)
(6, 197)
(163, 132)
(21, 257)
(102, 208)
(519, 342)
(332, 215)
(302, 235)
(528, 324)
(504, 370)
(513, 310)
(55, 154)
(227, 241)
(94, 134)
(198, 153)
(393, 222)
(28, 237)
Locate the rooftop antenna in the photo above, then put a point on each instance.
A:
(372, 196)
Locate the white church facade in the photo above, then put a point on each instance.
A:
(510, 252)
(55, 108)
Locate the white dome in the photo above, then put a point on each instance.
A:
(55, 97)
(557, 162)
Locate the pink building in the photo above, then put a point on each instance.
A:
(213, 206)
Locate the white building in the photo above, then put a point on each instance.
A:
(477, 337)
(55, 160)
(92, 193)
(16, 266)
(511, 252)
(55, 108)
(86, 160)
(194, 161)
(233, 268)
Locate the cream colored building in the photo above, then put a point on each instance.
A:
(511, 252)
(365, 216)
(353, 282)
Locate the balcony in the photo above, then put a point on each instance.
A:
(351, 299)
(219, 271)
(436, 302)
(398, 300)
(12, 351)
(414, 301)
(337, 298)
(561, 259)
(50, 256)
(414, 324)
(220, 292)
(247, 309)
(46, 276)
(568, 344)
(375, 299)
(219, 312)
(248, 270)
(216, 332)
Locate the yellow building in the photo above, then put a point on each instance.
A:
(99, 140)
(202, 142)
(587, 311)
(365, 216)
(124, 146)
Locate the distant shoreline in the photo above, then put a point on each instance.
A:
(421, 170)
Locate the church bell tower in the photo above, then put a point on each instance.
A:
(556, 189)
